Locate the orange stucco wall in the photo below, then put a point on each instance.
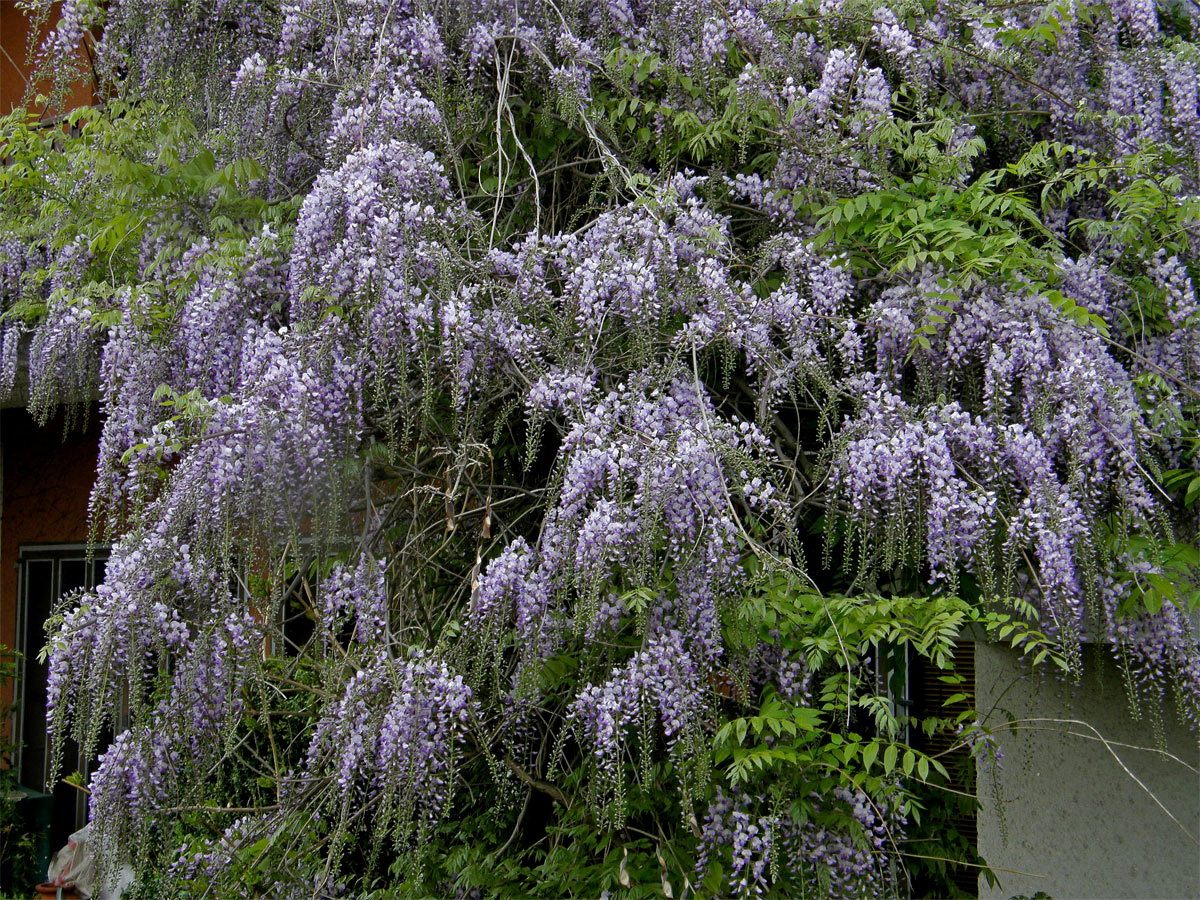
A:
(14, 61)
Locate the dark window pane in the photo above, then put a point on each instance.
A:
(38, 589)
(73, 575)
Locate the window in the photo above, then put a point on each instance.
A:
(44, 573)
(927, 695)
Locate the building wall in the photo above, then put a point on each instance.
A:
(1075, 821)
(14, 59)
(47, 479)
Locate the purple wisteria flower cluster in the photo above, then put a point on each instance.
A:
(393, 735)
(660, 680)
(840, 848)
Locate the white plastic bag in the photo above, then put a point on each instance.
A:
(75, 865)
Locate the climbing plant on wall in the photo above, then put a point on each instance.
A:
(536, 435)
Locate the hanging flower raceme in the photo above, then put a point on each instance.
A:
(360, 592)
(661, 681)
(65, 351)
(393, 733)
(270, 454)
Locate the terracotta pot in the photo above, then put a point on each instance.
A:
(46, 890)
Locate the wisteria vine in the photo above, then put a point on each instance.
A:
(467, 369)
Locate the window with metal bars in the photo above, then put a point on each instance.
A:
(46, 572)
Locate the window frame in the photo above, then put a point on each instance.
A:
(93, 557)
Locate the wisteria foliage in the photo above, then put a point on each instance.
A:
(470, 372)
